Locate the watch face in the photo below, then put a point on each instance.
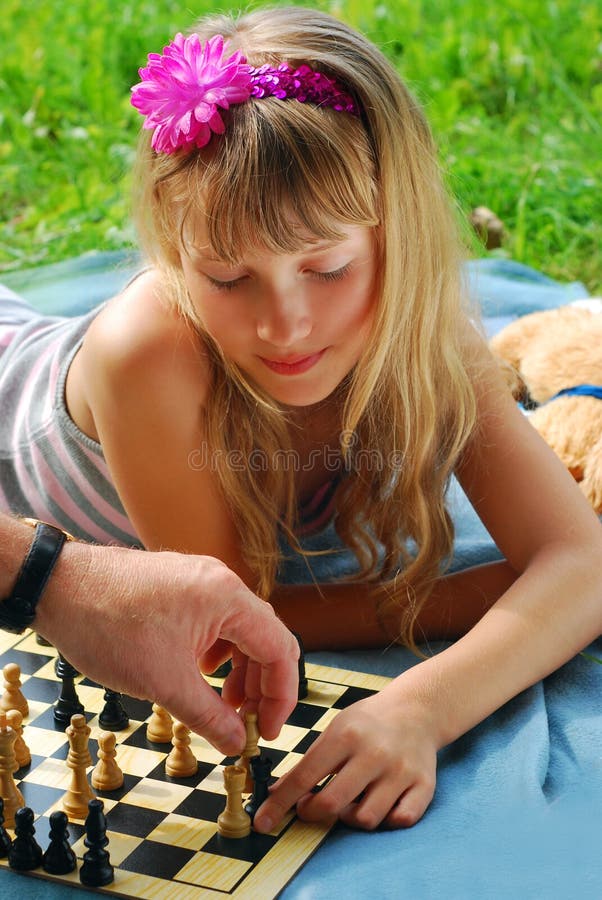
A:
(27, 520)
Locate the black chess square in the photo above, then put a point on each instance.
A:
(25, 770)
(135, 820)
(138, 739)
(129, 782)
(28, 662)
(158, 774)
(249, 849)
(42, 689)
(306, 742)
(201, 804)
(352, 695)
(47, 720)
(305, 715)
(63, 750)
(39, 797)
(157, 860)
(139, 710)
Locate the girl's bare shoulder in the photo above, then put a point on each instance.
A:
(140, 338)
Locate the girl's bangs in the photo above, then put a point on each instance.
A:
(278, 179)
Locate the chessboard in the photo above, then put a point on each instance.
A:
(162, 831)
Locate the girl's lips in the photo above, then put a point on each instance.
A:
(296, 365)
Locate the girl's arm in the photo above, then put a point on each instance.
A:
(544, 527)
(345, 616)
(385, 747)
(144, 378)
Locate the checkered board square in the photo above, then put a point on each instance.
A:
(162, 831)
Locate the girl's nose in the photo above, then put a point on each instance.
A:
(284, 322)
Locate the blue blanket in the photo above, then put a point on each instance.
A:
(518, 807)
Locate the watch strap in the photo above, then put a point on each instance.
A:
(18, 610)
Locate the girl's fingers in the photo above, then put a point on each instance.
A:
(411, 807)
(336, 795)
(374, 805)
(297, 782)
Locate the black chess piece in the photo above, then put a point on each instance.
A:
(303, 688)
(60, 662)
(59, 858)
(96, 870)
(25, 852)
(113, 716)
(223, 670)
(42, 641)
(68, 703)
(5, 839)
(261, 770)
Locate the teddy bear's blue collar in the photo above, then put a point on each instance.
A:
(580, 390)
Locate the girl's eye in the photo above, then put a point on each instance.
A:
(335, 275)
(224, 285)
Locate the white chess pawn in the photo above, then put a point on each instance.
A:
(181, 762)
(12, 698)
(22, 754)
(106, 775)
(160, 726)
(10, 793)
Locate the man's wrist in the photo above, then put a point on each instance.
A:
(18, 607)
(15, 541)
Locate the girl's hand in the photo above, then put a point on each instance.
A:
(383, 752)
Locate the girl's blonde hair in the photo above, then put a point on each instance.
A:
(409, 406)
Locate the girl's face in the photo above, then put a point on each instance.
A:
(295, 323)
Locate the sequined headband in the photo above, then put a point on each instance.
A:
(182, 89)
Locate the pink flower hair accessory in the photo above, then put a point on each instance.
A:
(183, 89)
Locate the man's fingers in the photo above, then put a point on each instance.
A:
(255, 628)
(271, 716)
(214, 656)
(272, 675)
(202, 710)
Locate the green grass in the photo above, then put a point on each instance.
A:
(513, 91)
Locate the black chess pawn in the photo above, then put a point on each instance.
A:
(261, 770)
(303, 689)
(59, 858)
(96, 870)
(113, 716)
(25, 852)
(5, 839)
(68, 703)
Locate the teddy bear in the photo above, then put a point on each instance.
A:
(549, 353)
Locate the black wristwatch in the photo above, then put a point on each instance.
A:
(18, 610)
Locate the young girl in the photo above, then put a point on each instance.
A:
(299, 351)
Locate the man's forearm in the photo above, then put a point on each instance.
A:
(15, 541)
